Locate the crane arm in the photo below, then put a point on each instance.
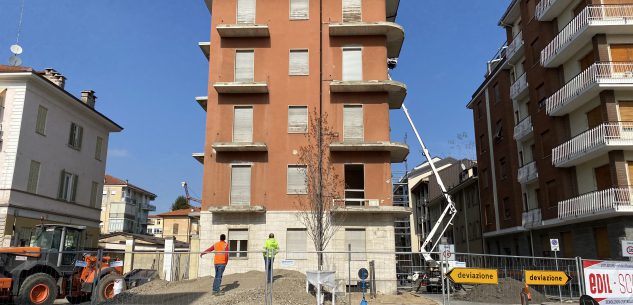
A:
(184, 185)
(450, 209)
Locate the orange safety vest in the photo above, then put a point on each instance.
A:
(221, 256)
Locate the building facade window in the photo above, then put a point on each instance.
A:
(299, 62)
(94, 194)
(552, 193)
(352, 63)
(299, 9)
(98, 148)
(246, 11)
(296, 243)
(497, 93)
(297, 182)
(297, 119)
(34, 175)
(68, 186)
(76, 136)
(238, 243)
(244, 66)
(243, 124)
(356, 238)
(240, 185)
(353, 125)
(507, 212)
(40, 123)
(352, 11)
(503, 168)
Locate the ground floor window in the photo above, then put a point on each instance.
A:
(238, 242)
(356, 238)
(296, 245)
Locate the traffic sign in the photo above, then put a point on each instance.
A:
(474, 276)
(546, 278)
(447, 252)
(554, 245)
(627, 248)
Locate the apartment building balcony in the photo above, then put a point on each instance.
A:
(398, 151)
(238, 209)
(241, 87)
(548, 10)
(205, 47)
(519, 88)
(604, 19)
(202, 101)
(528, 173)
(240, 147)
(594, 142)
(397, 91)
(391, 30)
(515, 49)
(524, 129)
(149, 207)
(199, 157)
(611, 202)
(532, 218)
(361, 206)
(588, 84)
(243, 30)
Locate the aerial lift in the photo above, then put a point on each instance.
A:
(189, 198)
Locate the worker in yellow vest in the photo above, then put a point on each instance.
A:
(220, 260)
(271, 247)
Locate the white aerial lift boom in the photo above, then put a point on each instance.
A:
(450, 209)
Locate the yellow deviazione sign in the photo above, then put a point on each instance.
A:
(546, 278)
(474, 276)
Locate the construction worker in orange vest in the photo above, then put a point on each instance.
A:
(220, 260)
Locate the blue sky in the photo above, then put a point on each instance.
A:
(142, 59)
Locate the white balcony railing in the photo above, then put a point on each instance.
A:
(527, 173)
(515, 45)
(519, 86)
(591, 15)
(598, 73)
(532, 218)
(543, 6)
(607, 134)
(523, 128)
(613, 199)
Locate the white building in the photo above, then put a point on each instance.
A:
(125, 207)
(53, 149)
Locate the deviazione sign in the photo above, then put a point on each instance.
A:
(609, 282)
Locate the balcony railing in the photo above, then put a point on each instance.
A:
(523, 129)
(515, 46)
(586, 144)
(519, 87)
(527, 173)
(532, 218)
(543, 6)
(603, 73)
(616, 199)
(600, 15)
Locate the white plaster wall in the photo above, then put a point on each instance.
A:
(567, 15)
(586, 177)
(578, 118)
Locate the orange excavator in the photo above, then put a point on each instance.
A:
(54, 267)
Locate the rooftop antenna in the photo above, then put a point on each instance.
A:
(16, 49)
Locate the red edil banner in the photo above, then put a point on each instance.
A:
(609, 282)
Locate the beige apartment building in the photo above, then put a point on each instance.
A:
(271, 68)
(125, 207)
(181, 224)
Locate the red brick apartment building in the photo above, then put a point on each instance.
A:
(554, 127)
(272, 64)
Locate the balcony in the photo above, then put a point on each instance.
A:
(604, 19)
(368, 206)
(515, 49)
(593, 143)
(398, 151)
(239, 147)
(149, 207)
(588, 84)
(524, 129)
(519, 88)
(528, 173)
(246, 30)
(202, 101)
(397, 91)
(205, 47)
(392, 31)
(598, 204)
(548, 10)
(241, 87)
(532, 218)
(199, 157)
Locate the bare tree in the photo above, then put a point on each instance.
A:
(317, 208)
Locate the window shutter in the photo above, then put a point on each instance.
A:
(299, 9)
(299, 62)
(296, 179)
(244, 66)
(246, 11)
(352, 10)
(238, 234)
(240, 185)
(297, 119)
(352, 64)
(80, 136)
(353, 129)
(40, 125)
(60, 192)
(34, 172)
(71, 136)
(296, 242)
(243, 125)
(93, 194)
(73, 196)
(99, 148)
(356, 238)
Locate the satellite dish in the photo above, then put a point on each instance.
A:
(16, 49)
(15, 61)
